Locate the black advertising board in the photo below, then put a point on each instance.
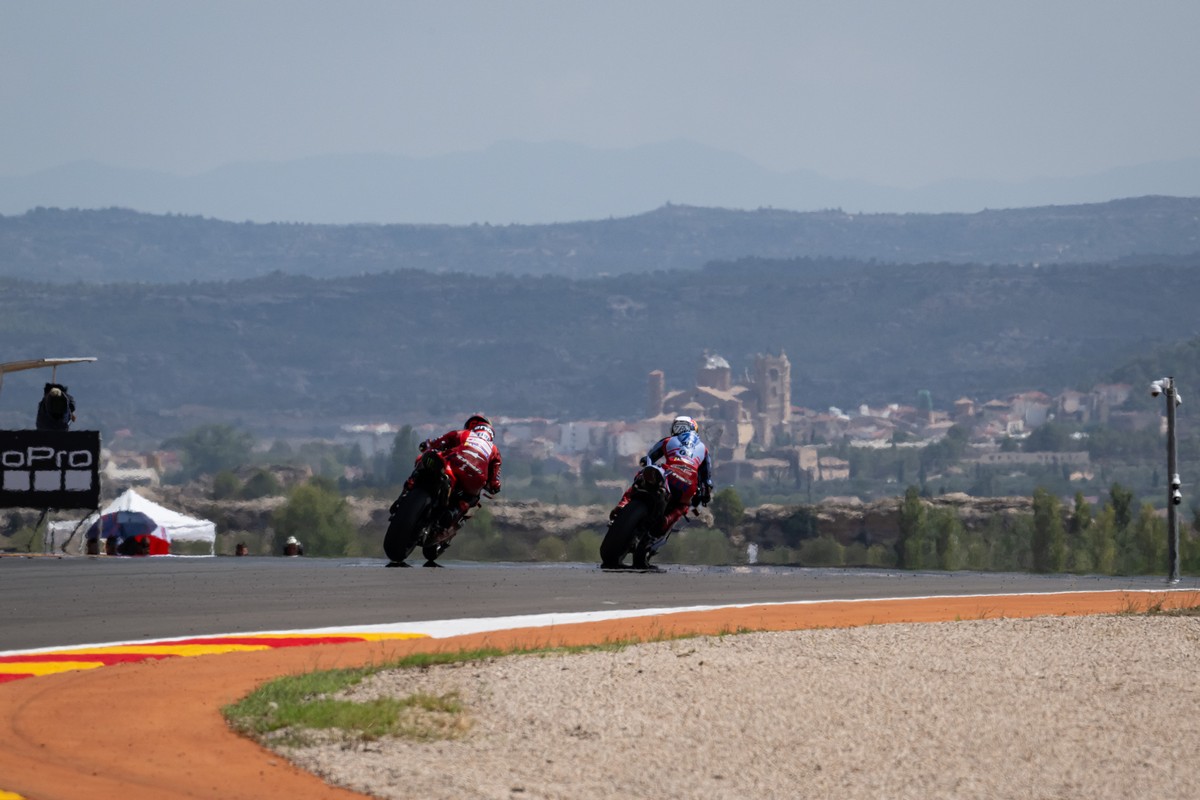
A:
(50, 469)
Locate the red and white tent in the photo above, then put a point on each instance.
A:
(132, 514)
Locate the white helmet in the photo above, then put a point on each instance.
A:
(683, 424)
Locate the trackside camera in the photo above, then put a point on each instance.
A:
(1155, 388)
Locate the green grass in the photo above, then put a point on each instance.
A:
(290, 709)
(299, 704)
(1154, 606)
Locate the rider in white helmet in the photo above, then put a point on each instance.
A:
(685, 460)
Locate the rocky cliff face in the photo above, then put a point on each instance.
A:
(845, 521)
(867, 523)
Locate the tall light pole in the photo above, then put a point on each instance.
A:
(1166, 386)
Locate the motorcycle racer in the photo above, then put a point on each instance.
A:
(687, 466)
(474, 461)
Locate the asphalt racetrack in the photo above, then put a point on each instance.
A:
(96, 703)
(56, 602)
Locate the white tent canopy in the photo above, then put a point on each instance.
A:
(179, 527)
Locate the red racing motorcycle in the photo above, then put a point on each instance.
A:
(422, 515)
(636, 528)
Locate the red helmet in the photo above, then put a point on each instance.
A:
(480, 425)
(475, 420)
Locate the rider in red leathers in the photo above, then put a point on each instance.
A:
(473, 457)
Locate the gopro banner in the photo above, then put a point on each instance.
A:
(49, 469)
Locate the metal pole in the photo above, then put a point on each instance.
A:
(1172, 516)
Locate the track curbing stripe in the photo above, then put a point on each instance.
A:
(15, 665)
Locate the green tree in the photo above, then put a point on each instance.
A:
(945, 452)
(1048, 547)
(910, 545)
(262, 483)
(698, 546)
(822, 551)
(225, 485)
(404, 453)
(480, 540)
(550, 548)
(325, 459)
(984, 484)
(925, 401)
(1122, 503)
(1011, 548)
(800, 526)
(1149, 540)
(1081, 516)
(1049, 437)
(947, 532)
(727, 509)
(1189, 553)
(319, 517)
(1079, 555)
(584, 547)
(1102, 541)
(209, 449)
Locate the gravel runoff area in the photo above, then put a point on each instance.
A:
(1051, 707)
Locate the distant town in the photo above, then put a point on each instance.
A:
(757, 434)
(753, 430)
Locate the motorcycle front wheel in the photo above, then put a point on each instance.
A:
(405, 525)
(622, 534)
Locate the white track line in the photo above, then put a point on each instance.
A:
(442, 629)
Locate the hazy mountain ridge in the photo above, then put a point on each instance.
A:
(297, 326)
(540, 183)
(119, 245)
(283, 352)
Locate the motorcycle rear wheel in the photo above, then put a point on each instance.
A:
(404, 528)
(622, 534)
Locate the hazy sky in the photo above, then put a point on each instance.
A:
(900, 92)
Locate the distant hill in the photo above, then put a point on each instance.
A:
(281, 352)
(540, 183)
(115, 245)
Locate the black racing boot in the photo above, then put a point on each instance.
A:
(641, 562)
(431, 552)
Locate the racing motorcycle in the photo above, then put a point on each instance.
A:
(423, 515)
(637, 527)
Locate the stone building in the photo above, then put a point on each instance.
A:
(731, 415)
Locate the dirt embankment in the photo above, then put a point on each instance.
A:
(1092, 707)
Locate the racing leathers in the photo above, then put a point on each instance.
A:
(688, 468)
(474, 461)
